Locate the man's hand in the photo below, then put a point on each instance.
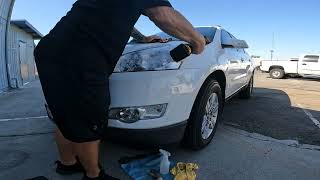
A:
(139, 37)
(172, 22)
(154, 38)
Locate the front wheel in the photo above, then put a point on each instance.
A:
(205, 115)
(246, 93)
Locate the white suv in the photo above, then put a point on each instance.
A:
(156, 100)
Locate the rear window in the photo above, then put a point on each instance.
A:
(209, 32)
(314, 59)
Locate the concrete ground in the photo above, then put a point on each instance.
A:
(281, 110)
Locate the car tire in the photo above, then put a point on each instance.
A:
(277, 73)
(247, 91)
(201, 129)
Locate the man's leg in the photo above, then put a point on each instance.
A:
(65, 147)
(88, 154)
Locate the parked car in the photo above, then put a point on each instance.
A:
(307, 65)
(156, 100)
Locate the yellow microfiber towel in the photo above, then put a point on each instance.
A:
(184, 171)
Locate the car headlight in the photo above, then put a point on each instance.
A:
(156, 59)
(134, 114)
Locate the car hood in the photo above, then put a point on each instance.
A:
(131, 48)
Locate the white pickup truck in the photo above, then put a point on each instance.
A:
(308, 65)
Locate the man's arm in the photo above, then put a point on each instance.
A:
(175, 24)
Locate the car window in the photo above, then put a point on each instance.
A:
(209, 32)
(309, 58)
(232, 36)
(225, 37)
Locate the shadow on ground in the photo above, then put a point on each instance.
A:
(305, 79)
(270, 112)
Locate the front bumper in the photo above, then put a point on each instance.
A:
(177, 88)
(157, 136)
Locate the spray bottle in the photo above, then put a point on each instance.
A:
(165, 163)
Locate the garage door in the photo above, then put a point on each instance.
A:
(24, 67)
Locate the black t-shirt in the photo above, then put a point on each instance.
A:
(106, 24)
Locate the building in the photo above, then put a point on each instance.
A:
(5, 12)
(16, 39)
(21, 64)
(16, 44)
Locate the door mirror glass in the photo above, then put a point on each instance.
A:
(235, 43)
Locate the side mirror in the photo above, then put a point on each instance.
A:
(235, 43)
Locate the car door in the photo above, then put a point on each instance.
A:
(246, 64)
(310, 65)
(233, 62)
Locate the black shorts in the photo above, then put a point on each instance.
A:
(75, 84)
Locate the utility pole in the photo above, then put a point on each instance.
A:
(272, 49)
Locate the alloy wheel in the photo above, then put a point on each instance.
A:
(210, 117)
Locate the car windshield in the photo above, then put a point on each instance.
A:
(208, 32)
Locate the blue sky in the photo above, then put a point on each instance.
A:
(295, 23)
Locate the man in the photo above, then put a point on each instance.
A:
(75, 60)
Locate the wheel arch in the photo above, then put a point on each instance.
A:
(220, 77)
(276, 67)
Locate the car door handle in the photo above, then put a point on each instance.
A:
(304, 64)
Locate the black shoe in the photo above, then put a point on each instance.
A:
(69, 170)
(102, 176)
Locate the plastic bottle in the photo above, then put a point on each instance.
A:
(165, 163)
